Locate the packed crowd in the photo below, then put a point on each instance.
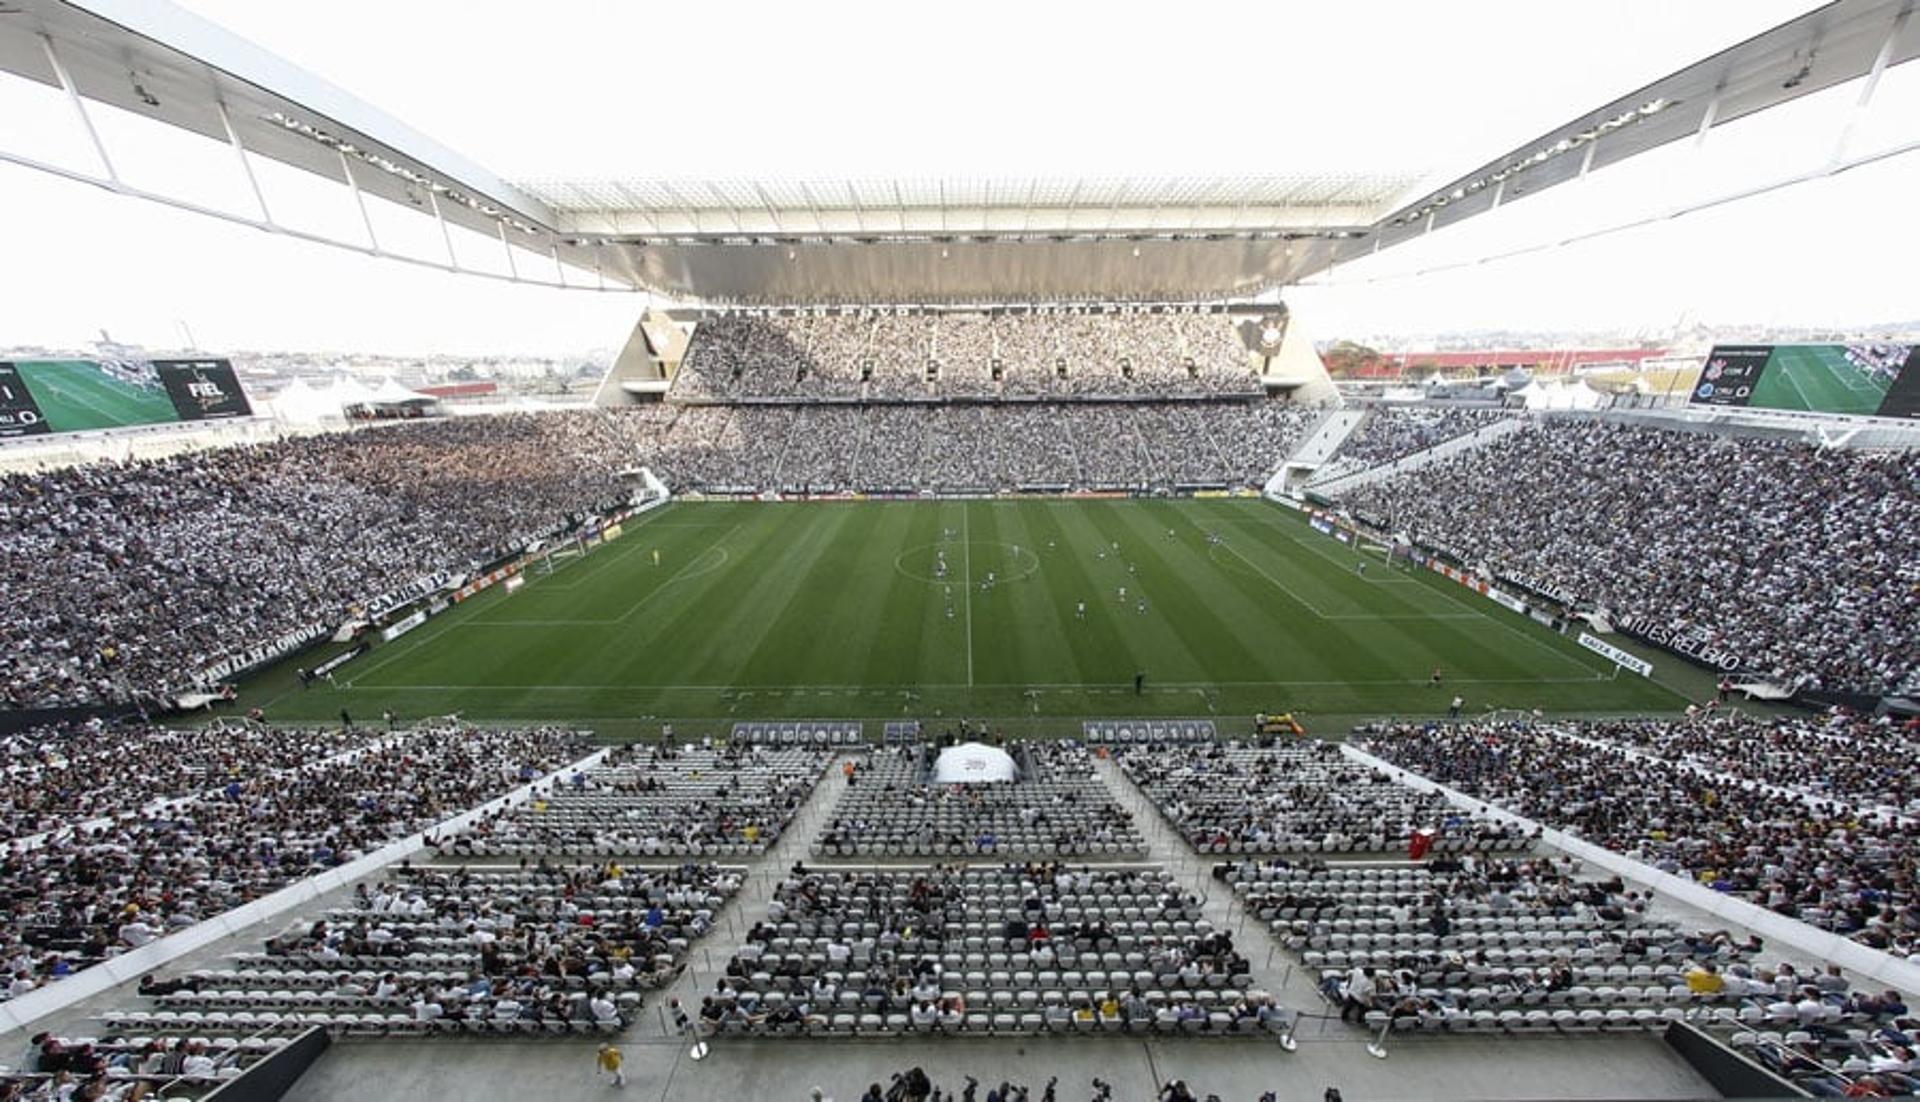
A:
(126, 580)
(1861, 762)
(659, 800)
(1300, 798)
(1803, 562)
(965, 355)
(1818, 858)
(93, 889)
(1390, 433)
(59, 776)
(827, 448)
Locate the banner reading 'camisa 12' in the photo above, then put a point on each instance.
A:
(46, 396)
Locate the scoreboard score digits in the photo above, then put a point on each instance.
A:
(19, 413)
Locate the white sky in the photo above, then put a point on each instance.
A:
(568, 88)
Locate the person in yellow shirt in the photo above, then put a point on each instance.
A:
(610, 1061)
(1706, 981)
(750, 832)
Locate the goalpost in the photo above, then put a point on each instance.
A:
(574, 547)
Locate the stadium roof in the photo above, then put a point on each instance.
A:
(968, 207)
(876, 240)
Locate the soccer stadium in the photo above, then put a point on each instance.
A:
(970, 638)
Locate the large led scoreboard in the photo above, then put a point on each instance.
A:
(49, 396)
(1880, 379)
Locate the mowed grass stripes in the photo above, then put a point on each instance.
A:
(955, 608)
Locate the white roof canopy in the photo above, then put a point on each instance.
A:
(805, 241)
(968, 206)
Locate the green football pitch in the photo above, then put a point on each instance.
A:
(838, 610)
(75, 395)
(1818, 378)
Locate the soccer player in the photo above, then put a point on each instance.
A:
(1123, 593)
(1080, 611)
(1361, 566)
(656, 556)
(1435, 682)
(1141, 608)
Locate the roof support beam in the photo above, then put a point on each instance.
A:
(446, 235)
(773, 215)
(813, 208)
(1707, 120)
(513, 268)
(359, 200)
(80, 109)
(232, 218)
(1872, 84)
(693, 216)
(246, 166)
(726, 206)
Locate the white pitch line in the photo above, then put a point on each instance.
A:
(377, 666)
(1283, 587)
(966, 552)
(1050, 686)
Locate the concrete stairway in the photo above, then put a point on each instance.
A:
(1340, 485)
(1317, 447)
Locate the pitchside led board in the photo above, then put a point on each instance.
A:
(1878, 379)
(45, 396)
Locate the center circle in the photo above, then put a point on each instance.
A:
(918, 562)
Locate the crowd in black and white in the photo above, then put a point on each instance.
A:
(1803, 562)
(126, 580)
(1298, 798)
(867, 355)
(1827, 858)
(1389, 433)
(650, 799)
(1086, 445)
(61, 775)
(92, 889)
